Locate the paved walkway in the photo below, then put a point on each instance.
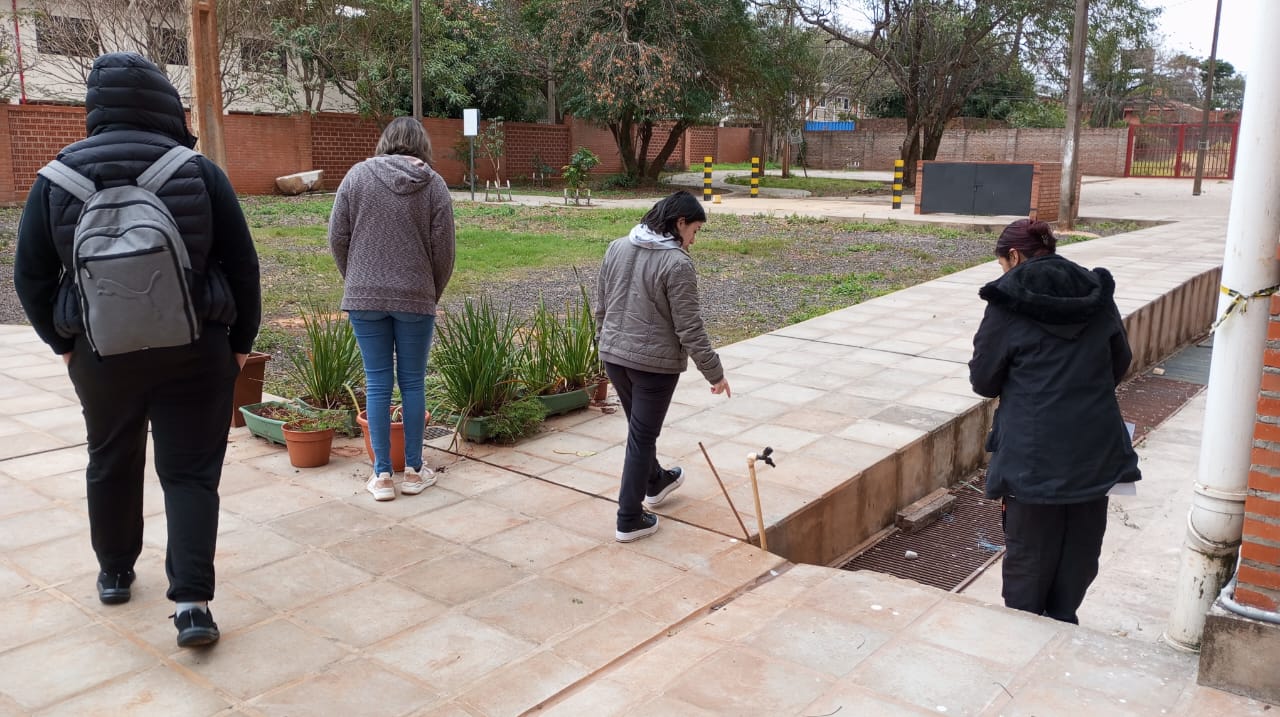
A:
(501, 591)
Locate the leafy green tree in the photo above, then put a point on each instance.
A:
(791, 69)
(641, 64)
(1037, 114)
(1228, 85)
(937, 52)
(1001, 95)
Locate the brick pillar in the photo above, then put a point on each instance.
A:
(8, 185)
(1259, 574)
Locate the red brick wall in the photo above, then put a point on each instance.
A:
(733, 144)
(1259, 576)
(263, 147)
(598, 140)
(36, 133)
(338, 141)
(1102, 151)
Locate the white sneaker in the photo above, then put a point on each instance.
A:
(416, 481)
(382, 487)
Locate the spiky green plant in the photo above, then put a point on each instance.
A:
(330, 361)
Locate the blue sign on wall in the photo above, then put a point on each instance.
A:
(812, 126)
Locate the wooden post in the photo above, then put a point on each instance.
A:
(206, 82)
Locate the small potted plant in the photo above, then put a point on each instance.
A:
(397, 432)
(329, 365)
(477, 358)
(556, 364)
(584, 324)
(249, 383)
(575, 174)
(266, 419)
(309, 439)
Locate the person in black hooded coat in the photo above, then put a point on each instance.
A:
(134, 116)
(1052, 347)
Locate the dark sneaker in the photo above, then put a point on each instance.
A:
(642, 527)
(113, 588)
(667, 482)
(195, 628)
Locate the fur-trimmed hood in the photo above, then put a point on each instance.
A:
(1053, 291)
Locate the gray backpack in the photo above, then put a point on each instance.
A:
(130, 262)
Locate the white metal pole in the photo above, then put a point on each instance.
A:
(1215, 522)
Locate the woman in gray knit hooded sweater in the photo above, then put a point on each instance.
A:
(391, 233)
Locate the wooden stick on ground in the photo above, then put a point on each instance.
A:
(726, 492)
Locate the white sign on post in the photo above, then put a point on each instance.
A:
(470, 122)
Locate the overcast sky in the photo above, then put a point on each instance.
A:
(1188, 26)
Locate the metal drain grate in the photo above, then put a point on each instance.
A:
(433, 432)
(951, 551)
(1148, 400)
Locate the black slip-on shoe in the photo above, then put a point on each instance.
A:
(196, 628)
(666, 484)
(113, 588)
(642, 527)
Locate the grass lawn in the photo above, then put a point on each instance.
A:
(816, 186)
(757, 273)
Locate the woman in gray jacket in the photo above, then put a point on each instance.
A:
(650, 325)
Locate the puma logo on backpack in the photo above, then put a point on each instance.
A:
(131, 264)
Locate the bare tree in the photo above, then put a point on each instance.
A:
(935, 51)
(13, 63)
(71, 33)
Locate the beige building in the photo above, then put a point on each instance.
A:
(46, 53)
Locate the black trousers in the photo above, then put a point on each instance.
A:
(645, 398)
(1051, 555)
(186, 394)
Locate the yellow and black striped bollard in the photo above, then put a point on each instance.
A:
(706, 178)
(898, 164)
(755, 177)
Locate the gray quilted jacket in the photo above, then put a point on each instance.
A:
(647, 312)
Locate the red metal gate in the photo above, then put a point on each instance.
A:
(1169, 150)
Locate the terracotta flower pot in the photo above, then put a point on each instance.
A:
(397, 439)
(249, 385)
(601, 391)
(308, 449)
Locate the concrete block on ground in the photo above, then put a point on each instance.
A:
(1240, 655)
(925, 511)
(300, 182)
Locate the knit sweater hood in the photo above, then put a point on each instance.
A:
(392, 236)
(400, 173)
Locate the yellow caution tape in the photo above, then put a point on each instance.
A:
(1240, 301)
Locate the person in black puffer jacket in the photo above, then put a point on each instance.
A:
(1052, 347)
(134, 116)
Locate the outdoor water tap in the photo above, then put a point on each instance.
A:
(763, 455)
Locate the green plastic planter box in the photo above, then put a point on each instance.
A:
(560, 403)
(267, 428)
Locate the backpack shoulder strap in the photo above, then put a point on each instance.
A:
(162, 169)
(80, 186)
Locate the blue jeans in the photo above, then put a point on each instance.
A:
(387, 337)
